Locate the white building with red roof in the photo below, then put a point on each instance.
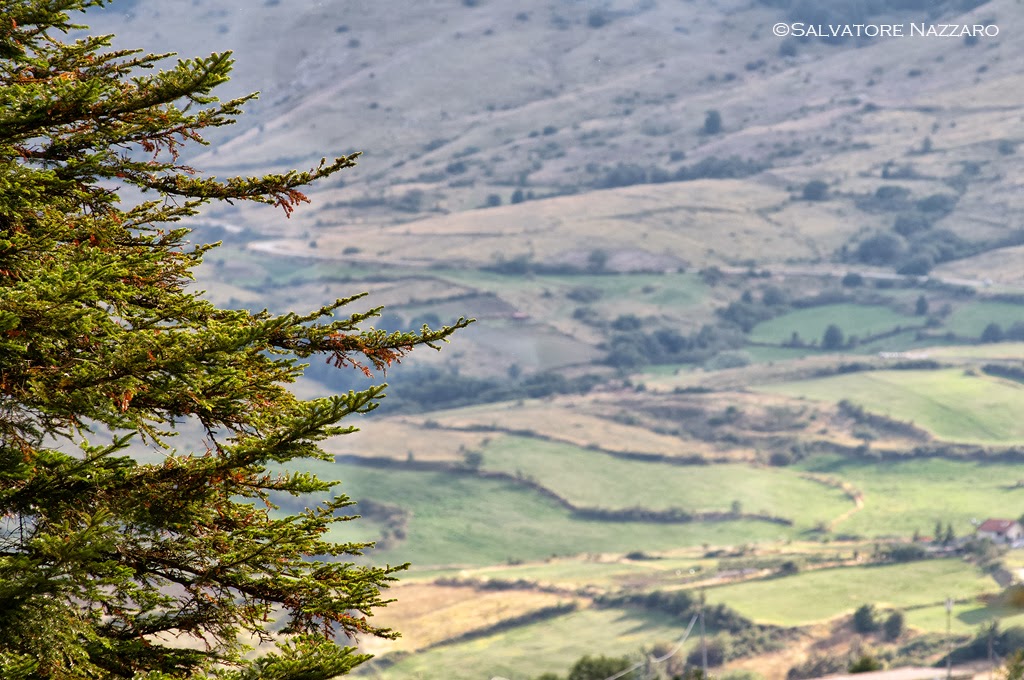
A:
(1000, 530)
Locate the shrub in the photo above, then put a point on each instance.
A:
(918, 265)
(627, 322)
(894, 626)
(718, 650)
(942, 204)
(864, 619)
(815, 190)
(911, 223)
(852, 280)
(600, 667)
(865, 664)
(456, 168)
(992, 333)
(881, 249)
(832, 338)
(817, 666)
(712, 122)
(597, 18)
(584, 294)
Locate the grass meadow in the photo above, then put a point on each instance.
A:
(967, 617)
(546, 646)
(810, 323)
(952, 404)
(901, 497)
(427, 614)
(594, 479)
(971, 319)
(822, 594)
(465, 520)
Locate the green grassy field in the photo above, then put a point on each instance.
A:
(823, 594)
(971, 319)
(949, 403)
(547, 646)
(906, 496)
(810, 323)
(967, 617)
(465, 520)
(593, 479)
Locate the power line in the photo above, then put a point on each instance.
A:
(679, 645)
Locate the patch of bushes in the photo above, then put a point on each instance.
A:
(818, 665)
(908, 552)
(815, 190)
(1003, 644)
(712, 167)
(667, 346)
(1005, 371)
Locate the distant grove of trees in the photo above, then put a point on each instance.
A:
(712, 167)
(913, 246)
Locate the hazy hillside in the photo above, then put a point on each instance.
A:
(453, 103)
(750, 313)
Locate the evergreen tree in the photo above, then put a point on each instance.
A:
(832, 338)
(712, 122)
(864, 620)
(165, 566)
(894, 626)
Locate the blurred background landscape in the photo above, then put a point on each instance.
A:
(750, 315)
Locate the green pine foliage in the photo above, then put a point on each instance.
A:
(111, 568)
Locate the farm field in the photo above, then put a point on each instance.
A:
(453, 521)
(907, 341)
(527, 651)
(429, 614)
(823, 594)
(970, 320)
(571, 421)
(810, 324)
(950, 404)
(967, 617)
(615, 483)
(901, 497)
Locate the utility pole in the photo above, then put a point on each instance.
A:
(703, 642)
(991, 657)
(949, 638)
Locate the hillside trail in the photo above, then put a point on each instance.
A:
(858, 505)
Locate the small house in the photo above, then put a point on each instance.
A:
(1000, 530)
